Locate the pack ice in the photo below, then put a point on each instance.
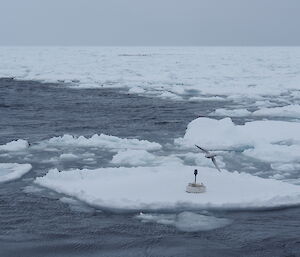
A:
(168, 72)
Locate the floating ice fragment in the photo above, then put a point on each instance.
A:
(186, 221)
(12, 171)
(16, 145)
(102, 140)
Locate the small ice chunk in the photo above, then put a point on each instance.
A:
(136, 90)
(285, 166)
(186, 221)
(192, 222)
(12, 171)
(16, 145)
(231, 113)
(291, 111)
(68, 156)
(33, 189)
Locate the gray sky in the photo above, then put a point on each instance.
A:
(149, 22)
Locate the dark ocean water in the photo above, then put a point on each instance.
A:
(35, 222)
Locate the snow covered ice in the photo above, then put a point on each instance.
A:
(102, 141)
(17, 145)
(12, 171)
(288, 111)
(163, 187)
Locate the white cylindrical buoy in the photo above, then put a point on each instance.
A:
(195, 188)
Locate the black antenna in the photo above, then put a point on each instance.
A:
(195, 173)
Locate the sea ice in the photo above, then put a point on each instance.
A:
(186, 221)
(224, 134)
(289, 111)
(103, 141)
(269, 141)
(235, 72)
(12, 171)
(275, 153)
(16, 145)
(133, 157)
(231, 113)
(68, 156)
(163, 187)
(142, 158)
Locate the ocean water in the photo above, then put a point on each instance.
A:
(35, 221)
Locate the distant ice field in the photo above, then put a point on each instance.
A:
(251, 74)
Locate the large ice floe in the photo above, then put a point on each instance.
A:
(12, 171)
(163, 188)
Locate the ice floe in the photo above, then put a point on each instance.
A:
(12, 171)
(16, 145)
(186, 221)
(224, 134)
(163, 187)
(231, 113)
(275, 153)
(68, 156)
(273, 142)
(289, 111)
(102, 141)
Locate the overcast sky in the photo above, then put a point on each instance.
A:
(149, 22)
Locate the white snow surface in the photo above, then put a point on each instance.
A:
(168, 72)
(141, 158)
(12, 171)
(16, 145)
(102, 141)
(133, 157)
(163, 188)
